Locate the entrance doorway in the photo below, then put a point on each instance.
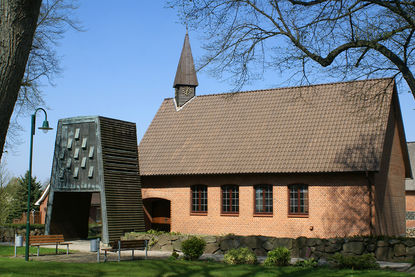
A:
(70, 214)
(157, 214)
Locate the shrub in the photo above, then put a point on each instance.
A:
(280, 256)
(22, 226)
(174, 255)
(193, 248)
(366, 261)
(155, 232)
(307, 263)
(240, 256)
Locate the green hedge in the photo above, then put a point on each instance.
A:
(23, 226)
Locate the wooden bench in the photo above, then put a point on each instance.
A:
(42, 240)
(123, 245)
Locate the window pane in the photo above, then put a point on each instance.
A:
(199, 198)
(263, 199)
(299, 199)
(230, 199)
(258, 200)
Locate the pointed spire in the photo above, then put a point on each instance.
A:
(186, 73)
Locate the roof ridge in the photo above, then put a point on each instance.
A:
(281, 88)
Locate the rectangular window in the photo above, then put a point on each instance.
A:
(263, 199)
(298, 199)
(230, 199)
(199, 199)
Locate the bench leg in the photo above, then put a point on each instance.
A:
(67, 249)
(119, 250)
(105, 256)
(38, 250)
(132, 254)
(146, 249)
(56, 248)
(98, 250)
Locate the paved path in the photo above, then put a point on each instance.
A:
(83, 255)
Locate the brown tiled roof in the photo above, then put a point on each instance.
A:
(321, 128)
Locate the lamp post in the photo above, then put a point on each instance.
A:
(45, 127)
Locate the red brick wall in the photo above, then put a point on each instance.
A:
(338, 205)
(410, 201)
(42, 210)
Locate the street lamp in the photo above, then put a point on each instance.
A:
(45, 127)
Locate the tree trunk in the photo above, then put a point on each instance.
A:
(18, 20)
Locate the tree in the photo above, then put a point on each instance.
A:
(4, 195)
(19, 202)
(17, 28)
(29, 30)
(351, 38)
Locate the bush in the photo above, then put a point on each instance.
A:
(366, 261)
(240, 256)
(307, 263)
(174, 256)
(193, 248)
(22, 226)
(280, 256)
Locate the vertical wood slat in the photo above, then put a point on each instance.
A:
(121, 177)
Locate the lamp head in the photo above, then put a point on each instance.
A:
(45, 126)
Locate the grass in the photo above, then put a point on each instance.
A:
(167, 268)
(8, 251)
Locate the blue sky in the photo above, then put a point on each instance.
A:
(122, 67)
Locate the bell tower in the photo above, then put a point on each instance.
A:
(185, 82)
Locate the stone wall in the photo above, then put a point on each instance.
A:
(385, 249)
(7, 233)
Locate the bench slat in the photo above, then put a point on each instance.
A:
(130, 244)
(46, 239)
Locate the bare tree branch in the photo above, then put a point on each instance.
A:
(351, 38)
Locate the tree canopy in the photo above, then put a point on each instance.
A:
(350, 38)
(29, 31)
(19, 196)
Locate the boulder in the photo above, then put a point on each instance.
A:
(177, 245)
(211, 248)
(410, 251)
(252, 242)
(167, 247)
(269, 244)
(230, 243)
(273, 243)
(209, 239)
(384, 253)
(409, 242)
(174, 237)
(154, 246)
(333, 247)
(260, 252)
(382, 243)
(354, 247)
(314, 242)
(399, 250)
(163, 240)
(371, 247)
(284, 242)
(394, 241)
(301, 242)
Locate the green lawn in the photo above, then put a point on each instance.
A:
(165, 268)
(8, 251)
